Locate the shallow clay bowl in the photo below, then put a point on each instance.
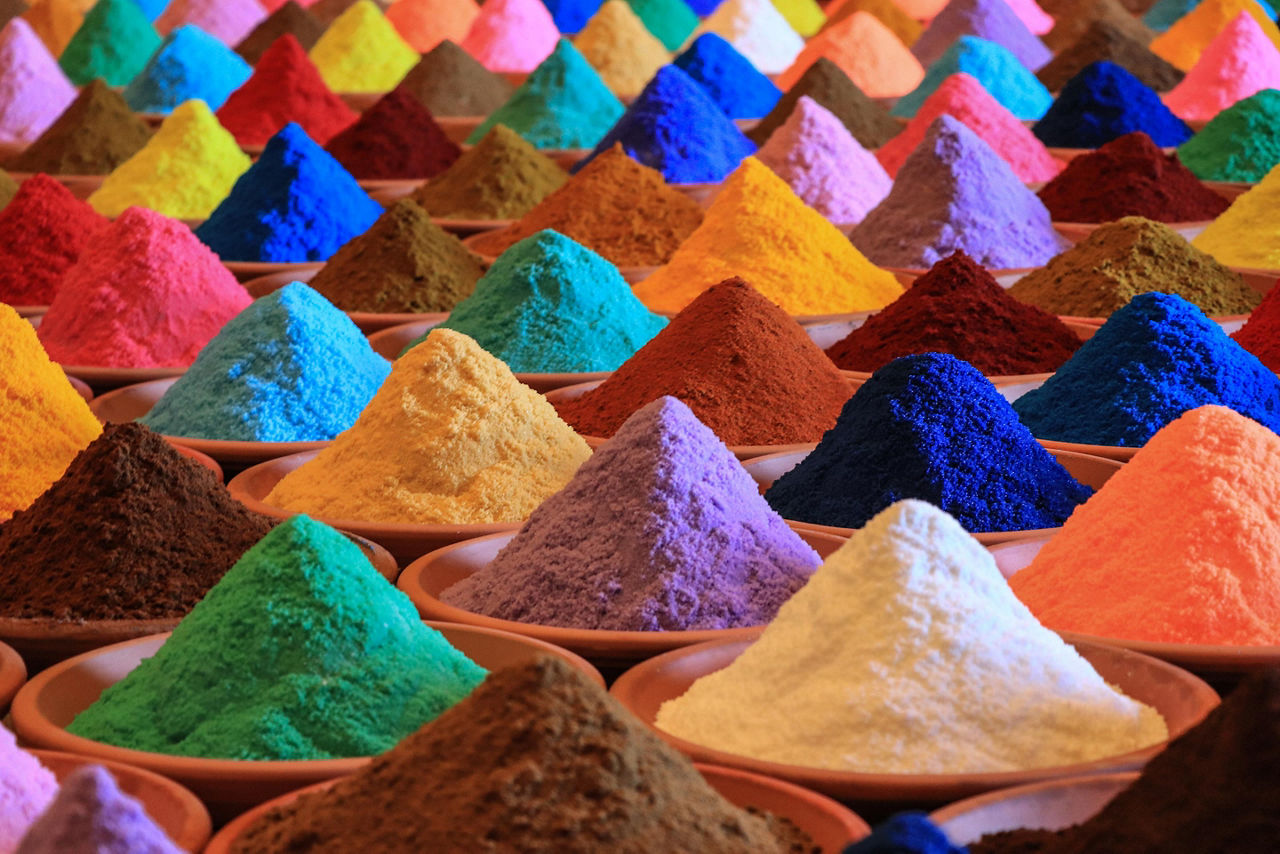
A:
(1181, 698)
(366, 321)
(405, 541)
(13, 675)
(30, 310)
(425, 578)
(50, 701)
(458, 128)
(246, 270)
(81, 186)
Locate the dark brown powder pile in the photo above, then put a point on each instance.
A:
(289, 18)
(327, 11)
(10, 9)
(1109, 42)
(536, 759)
(396, 138)
(824, 82)
(93, 136)
(1070, 27)
(132, 531)
(448, 81)
(403, 264)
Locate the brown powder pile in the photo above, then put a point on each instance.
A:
(93, 136)
(289, 18)
(824, 82)
(503, 177)
(451, 82)
(1072, 25)
(1107, 41)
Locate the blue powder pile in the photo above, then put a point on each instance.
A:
(295, 204)
(729, 78)
(905, 833)
(930, 427)
(1152, 360)
(999, 71)
(1102, 102)
(551, 305)
(674, 126)
(289, 368)
(1165, 13)
(152, 8)
(189, 64)
(571, 16)
(703, 8)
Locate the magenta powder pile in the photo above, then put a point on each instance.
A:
(660, 530)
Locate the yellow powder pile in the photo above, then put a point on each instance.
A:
(362, 52)
(423, 24)
(889, 13)
(867, 51)
(1182, 545)
(1247, 234)
(452, 437)
(44, 422)
(757, 228)
(55, 22)
(1182, 44)
(804, 16)
(617, 44)
(185, 170)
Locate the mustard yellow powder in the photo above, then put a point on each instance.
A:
(452, 437)
(362, 52)
(1247, 234)
(804, 16)
(757, 228)
(55, 22)
(1182, 44)
(619, 47)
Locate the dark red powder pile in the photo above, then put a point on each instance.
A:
(1261, 334)
(42, 232)
(395, 138)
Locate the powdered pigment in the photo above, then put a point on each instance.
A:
(1239, 62)
(1104, 102)
(757, 30)
(619, 47)
(449, 82)
(113, 43)
(42, 232)
(824, 82)
(728, 77)
(362, 52)
(189, 64)
(867, 51)
(33, 89)
(396, 138)
(992, 20)
(511, 36)
(91, 815)
(1260, 334)
(1186, 40)
(1247, 234)
(229, 21)
(423, 24)
(999, 72)
(289, 18)
(93, 136)
(26, 788)
(502, 177)
(672, 21)
(1105, 41)
(1241, 143)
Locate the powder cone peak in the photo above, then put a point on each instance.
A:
(28, 786)
(758, 31)
(1239, 62)
(424, 24)
(824, 82)
(362, 52)
(189, 64)
(511, 35)
(288, 18)
(619, 47)
(1184, 42)
(396, 138)
(450, 82)
(729, 77)
(33, 89)
(229, 21)
(114, 42)
(992, 20)
(42, 232)
(867, 51)
(1110, 41)
(92, 136)
(91, 814)
(502, 177)
(1102, 102)
(992, 65)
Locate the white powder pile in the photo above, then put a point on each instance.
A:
(907, 653)
(757, 30)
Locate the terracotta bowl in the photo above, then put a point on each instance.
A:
(1229, 190)
(1181, 698)
(13, 675)
(703, 193)
(366, 321)
(106, 379)
(50, 701)
(30, 310)
(246, 270)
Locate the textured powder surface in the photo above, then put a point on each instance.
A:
(1239, 62)
(619, 47)
(275, 662)
(1105, 41)
(93, 136)
(1248, 233)
(26, 788)
(550, 305)
(913, 612)
(1242, 143)
(671, 21)
(1083, 14)
(33, 89)
(54, 22)
(449, 82)
(796, 258)
(1259, 333)
(999, 72)
(757, 30)
(189, 64)
(906, 833)
(113, 43)
(90, 815)
(362, 52)
(423, 24)
(804, 16)
(992, 20)
(728, 77)
(867, 51)
(703, 551)
(42, 232)
(570, 16)
(451, 438)
(929, 427)
(1165, 13)
(185, 170)
(502, 177)
(906, 28)
(511, 35)
(1184, 42)
(289, 368)
(955, 193)
(824, 82)
(229, 21)
(289, 18)
(1150, 362)
(144, 293)
(396, 138)
(1104, 102)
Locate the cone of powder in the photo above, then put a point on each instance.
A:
(1104, 102)
(28, 787)
(728, 77)
(89, 815)
(1242, 143)
(42, 233)
(113, 43)
(1239, 62)
(992, 20)
(618, 46)
(33, 89)
(1247, 234)
(423, 24)
(54, 22)
(289, 18)
(189, 64)
(1107, 41)
(362, 52)
(449, 82)
(671, 21)
(867, 51)
(511, 36)
(824, 82)
(1259, 333)
(757, 30)
(804, 16)
(229, 21)
(889, 13)
(570, 16)
(1085, 13)
(93, 136)
(1184, 42)
(502, 177)
(396, 138)
(999, 72)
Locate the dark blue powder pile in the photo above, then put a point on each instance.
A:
(1102, 102)
(729, 78)
(906, 833)
(571, 15)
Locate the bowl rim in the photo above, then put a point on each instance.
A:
(13, 675)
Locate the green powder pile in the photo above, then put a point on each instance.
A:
(93, 136)
(1241, 143)
(301, 651)
(503, 177)
(114, 42)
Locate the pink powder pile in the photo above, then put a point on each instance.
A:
(226, 20)
(963, 97)
(1037, 20)
(824, 165)
(33, 89)
(145, 293)
(1240, 61)
(26, 788)
(512, 36)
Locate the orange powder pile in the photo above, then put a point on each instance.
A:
(426, 23)
(1182, 545)
(1183, 43)
(867, 51)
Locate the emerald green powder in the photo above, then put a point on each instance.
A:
(1242, 142)
(302, 651)
(670, 20)
(114, 42)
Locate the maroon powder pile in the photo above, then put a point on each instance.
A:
(395, 138)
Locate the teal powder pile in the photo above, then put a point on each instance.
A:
(301, 651)
(999, 71)
(114, 42)
(1241, 143)
(672, 21)
(550, 305)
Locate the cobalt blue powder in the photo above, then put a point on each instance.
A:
(571, 16)
(905, 833)
(999, 71)
(1102, 102)
(189, 64)
(152, 8)
(931, 427)
(1152, 360)
(728, 77)
(703, 8)
(294, 204)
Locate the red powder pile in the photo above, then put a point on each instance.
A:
(1129, 176)
(395, 138)
(744, 367)
(1261, 334)
(958, 308)
(42, 232)
(285, 87)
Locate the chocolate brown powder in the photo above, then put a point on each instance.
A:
(289, 18)
(451, 82)
(824, 82)
(93, 136)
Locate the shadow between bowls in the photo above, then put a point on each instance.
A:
(13, 675)
(365, 321)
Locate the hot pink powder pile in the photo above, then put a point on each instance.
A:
(1029, 12)
(145, 293)
(512, 36)
(1240, 61)
(33, 89)
(227, 20)
(26, 788)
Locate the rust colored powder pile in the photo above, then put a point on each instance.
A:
(868, 121)
(746, 369)
(395, 138)
(93, 136)
(1261, 334)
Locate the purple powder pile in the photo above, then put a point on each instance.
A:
(91, 815)
(661, 530)
(992, 20)
(26, 789)
(955, 194)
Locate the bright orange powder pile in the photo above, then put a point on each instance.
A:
(1182, 545)
(867, 51)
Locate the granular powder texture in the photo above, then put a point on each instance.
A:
(619, 47)
(1260, 334)
(672, 21)
(747, 371)
(1239, 62)
(502, 177)
(867, 51)
(570, 16)
(93, 136)
(1104, 102)
(1241, 143)
(189, 64)
(395, 138)
(113, 43)
(1085, 13)
(804, 16)
(403, 264)
(758, 31)
(426, 23)
(448, 81)
(728, 77)
(26, 788)
(511, 36)
(289, 18)
(1106, 41)
(53, 22)
(906, 833)
(905, 27)
(992, 20)
(42, 232)
(912, 612)
(824, 82)
(33, 89)
(362, 52)
(132, 531)
(1247, 234)
(999, 72)
(1184, 42)
(91, 815)
(277, 660)
(229, 21)
(1165, 13)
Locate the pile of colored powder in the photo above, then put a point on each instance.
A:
(889, 13)
(328, 11)
(362, 52)
(617, 45)
(42, 232)
(962, 97)
(113, 43)
(189, 64)
(675, 128)
(562, 104)
(999, 72)
(452, 437)
(748, 372)
(867, 51)
(613, 206)
(290, 19)
(728, 77)
(550, 305)
(906, 833)
(8, 189)
(1150, 362)
(275, 662)
(33, 89)
(1104, 102)
(229, 21)
(570, 16)
(1239, 62)
(395, 138)
(992, 20)
(824, 82)
(958, 308)
(54, 22)
(1247, 234)
(1165, 13)
(153, 8)
(449, 82)
(758, 31)
(91, 814)
(93, 136)
(805, 16)
(796, 258)
(289, 368)
(911, 610)
(295, 203)
(502, 177)
(423, 24)
(511, 35)
(132, 531)
(824, 166)
(1242, 143)
(671, 21)
(1106, 42)
(1085, 13)
(1033, 17)
(1260, 334)
(403, 264)
(26, 789)
(1184, 42)
(955, 193)
(285, 87)
(704, 550)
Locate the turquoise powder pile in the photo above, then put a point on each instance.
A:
(998, 70)
(190, 64)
